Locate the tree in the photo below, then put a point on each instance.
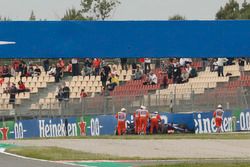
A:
(177, 17)
(232, 10)
(32, 16)
(98, 9)
(245, 11)
(73, 14)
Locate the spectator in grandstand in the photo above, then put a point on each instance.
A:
(8, 87)
(96, 66)
(86, 71)
(134, 66)
(247, 60)
(13, 90)
(114, 81)
(6, 71)
(52, 70)
(191, 71)
(141, 62)
(184, 61)
(30, 71)
(124, 63)
(58, 74)
(87, 62)
(75, 67)
(151, 79)
(59, 95)
(176, 72)
(213, 65)
(61, 63)
(138, 74)
(220, 63)
(69, 67)
(23, 69)
(170, 69)
(147, 62)
(37, 71)
(83, 94)
(241, 62)
(66, 92)
(204, 63)
(15, 65)
(21, 87)
(13, 72)
(46, 65)
(184, 75)
(104, 77)
(230, 61)
(218, 116)
(114, 70)
(107, 69)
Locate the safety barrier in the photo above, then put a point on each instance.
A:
(196, 122)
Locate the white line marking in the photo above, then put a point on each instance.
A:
(7, 43)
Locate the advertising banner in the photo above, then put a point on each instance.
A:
(198, 122)
(6, 130)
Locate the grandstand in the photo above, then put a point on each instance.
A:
(189, 96)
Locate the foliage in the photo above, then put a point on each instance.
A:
(98, 9)
(177, 17)
(73, 14)
(32, 16)
(233, 10)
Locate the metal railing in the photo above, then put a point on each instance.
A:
(155, 101)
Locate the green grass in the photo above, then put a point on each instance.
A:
(243, 164)
(57, 154)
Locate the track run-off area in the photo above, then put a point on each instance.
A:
(148, 151)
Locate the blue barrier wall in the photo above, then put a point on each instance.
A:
(124, 39)
(198, 122)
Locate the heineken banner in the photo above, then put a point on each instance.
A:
(198, 122)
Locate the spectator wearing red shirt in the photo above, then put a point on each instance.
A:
(21, 87)
(15, 65)
(83, 94)
(96, 65)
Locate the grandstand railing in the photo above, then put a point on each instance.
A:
(233, 98)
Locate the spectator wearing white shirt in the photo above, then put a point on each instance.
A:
(52, 70)
(151, 80)
(220, 63)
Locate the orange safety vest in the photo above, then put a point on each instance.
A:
(143, 113)
(218, 113)
(121, 116)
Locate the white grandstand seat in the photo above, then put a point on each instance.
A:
(34, 107)
(92, 78)
(98, 78)
(90, 83)
(86, 78)
(34, 79)
(40, 79)
(80, 78)
(75, 78)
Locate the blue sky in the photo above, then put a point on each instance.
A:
(128, 9)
